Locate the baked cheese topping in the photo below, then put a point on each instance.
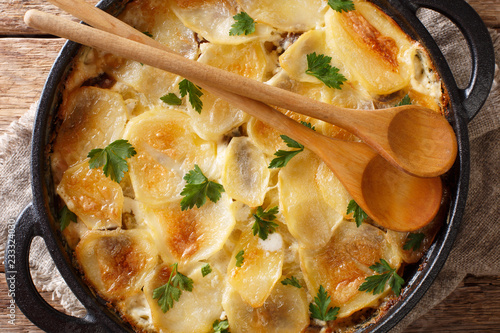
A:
(258, 248)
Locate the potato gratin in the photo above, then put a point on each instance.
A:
(187, 215)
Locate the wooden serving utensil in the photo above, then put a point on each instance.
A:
(394, 199)
(411, 137)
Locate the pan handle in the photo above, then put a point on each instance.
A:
(21, 286)
(481, 47)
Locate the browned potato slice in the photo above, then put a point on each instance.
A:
(116, 262)
(156, 18)
(310, 219)
(291, 15)
(196, 310)
(191, 235)
(285, 310)
(372, 46)
(93, 118)
(261, 267)
(94, 198)
(341, 266)
(245, 176)
(166, 149)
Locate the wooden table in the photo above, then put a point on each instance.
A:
(25, 60)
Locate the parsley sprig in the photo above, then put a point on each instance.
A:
(264, 224)
(220, 326)
(206, 269)
(318, 65)
(405, 101)
(198, 188)
(187, 87)
(172, 290)
(341, 5)
(284, 156)
(239, 258)
(113, 158)
(66, 217)
(376, 283)
(414, 241)
(244, 25)
(291, 281)
(359, 214)
(320, 310)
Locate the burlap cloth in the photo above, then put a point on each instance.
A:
(476, 250)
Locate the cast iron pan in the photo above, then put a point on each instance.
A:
(38, 218)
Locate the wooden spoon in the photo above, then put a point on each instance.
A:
(413, 138)
(394, 199)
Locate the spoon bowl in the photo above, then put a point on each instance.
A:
(421, 140)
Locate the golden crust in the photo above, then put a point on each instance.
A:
(129, 235)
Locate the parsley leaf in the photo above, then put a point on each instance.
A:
(187, 87)
(220, 326)
(113, 158)
(65, 217)
(171, 99)
(264, 224)
(244, 25)
(239, 258)
(319, 67)
(293, 281)
(284, 156)
(320, 310)
(198, 188)
(405, 101)
(376, 283)
(414, 241)
(205, 270)
(172, 290)
(341, 5)
(147, 33)
(359, 214)
(309, 125)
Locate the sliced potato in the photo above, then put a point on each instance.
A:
(116, 262)
(341, 266)
(334, 193)
(191, 235)
(212, 20)
(264, 136)
(196, 310)
(310, 219)
(94, 118)
(94, 198)
(261, 268)
(291, 15)
(150, 82)
(166, 150)
(285, 310)
(372, 46)
(218, 116)
(154, 183)
(245, 176)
